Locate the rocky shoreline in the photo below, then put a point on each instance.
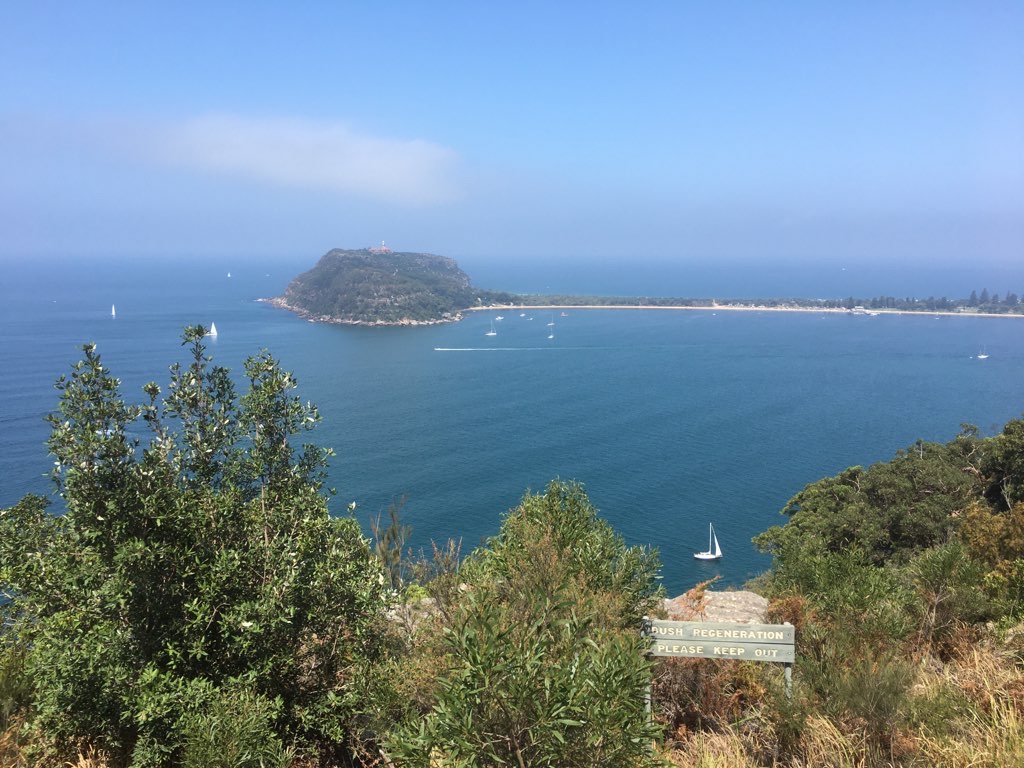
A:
(281, 303)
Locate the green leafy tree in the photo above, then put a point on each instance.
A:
(889, 511)
(200, 573)
(544, 661)
(1003, 466)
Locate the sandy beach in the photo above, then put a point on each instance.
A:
(731, 308)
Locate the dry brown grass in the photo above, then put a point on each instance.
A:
(993, 735)
(19, 750)
(823, 745)
(712, 750)
(89, 758)
(979, 723)
(12, 747)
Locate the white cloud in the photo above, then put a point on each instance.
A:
(318, 155)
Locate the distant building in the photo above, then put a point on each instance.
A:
(383, 248)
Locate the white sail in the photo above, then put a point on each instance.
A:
(714, 551)
(113, 311)
(213, 330)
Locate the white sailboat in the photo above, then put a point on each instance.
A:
(491, 332)
(714, 552)
(213, 330)
(983, 355)
(113, 311)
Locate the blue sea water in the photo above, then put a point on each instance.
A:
(671, 419)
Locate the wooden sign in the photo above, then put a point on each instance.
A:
(716, 640)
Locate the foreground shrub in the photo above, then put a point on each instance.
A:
(234, 730)
(201, 577)
(545, 663)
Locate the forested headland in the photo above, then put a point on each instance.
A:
(383, 287)
(198, 602)
(378, 286)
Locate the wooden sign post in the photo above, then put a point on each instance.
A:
(719, 640)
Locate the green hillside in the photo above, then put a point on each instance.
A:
(383, 287)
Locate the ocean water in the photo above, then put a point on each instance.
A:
(671, 419)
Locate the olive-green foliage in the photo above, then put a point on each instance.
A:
(545, 665)
(385, 287)
(994, 537)
(1003, 466)
(389, 541)
(15, 688)
(598, 557)
(234, 730)
(945, 580)
(888, 511)
(866, 690)
(885, 566)
(853, 620)
(203, 566)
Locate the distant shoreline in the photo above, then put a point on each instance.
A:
(737, 308)
(281, 303)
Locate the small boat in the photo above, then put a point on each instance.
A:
(491, 332)
(213, 330)
(113, 311)
(714, 552)
(499, 317)
(983, 355)
(229, 274)
(552, 319)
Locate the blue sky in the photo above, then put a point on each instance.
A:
(706, 133)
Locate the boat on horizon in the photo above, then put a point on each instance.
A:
(113, 311)
(714, 551)
(213, 330)
(491, 332)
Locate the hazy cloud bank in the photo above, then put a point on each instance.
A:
(303, 153)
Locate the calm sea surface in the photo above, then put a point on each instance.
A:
(671, 419)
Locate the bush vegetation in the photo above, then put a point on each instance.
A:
(194, 603)
(385, 287)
